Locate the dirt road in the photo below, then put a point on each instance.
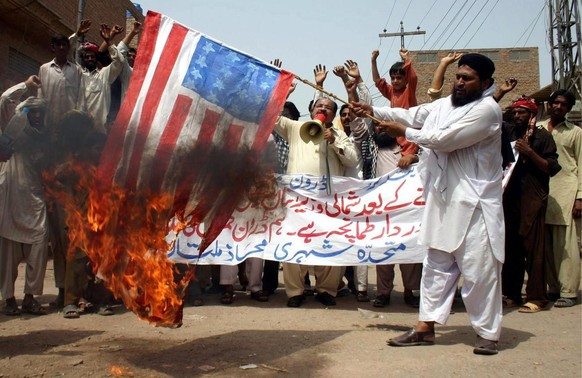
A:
(251, 339)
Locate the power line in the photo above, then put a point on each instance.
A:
(449, 25)
(388, 20)
(427, 12)
(406, 11)
(485, 19)
(386, 58)
(439, 24)
(458, 24)
(531, 25)
(423, 17)
(533, 28)
(468, 26)
(380, 39)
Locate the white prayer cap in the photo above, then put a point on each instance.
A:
(31, 103)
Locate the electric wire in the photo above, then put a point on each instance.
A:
(470, 23)
(427, 12)
(406, 11)
(438, 25)
(380, 38)
(480, 25)
(448, 25)
(387, 21)
(529, 26)
(533, 27)
(422, 20)
(458, 24)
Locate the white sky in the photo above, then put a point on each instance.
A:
(304, 33)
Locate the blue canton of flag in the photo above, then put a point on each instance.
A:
(235, 82)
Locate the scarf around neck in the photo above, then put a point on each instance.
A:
(441, 118)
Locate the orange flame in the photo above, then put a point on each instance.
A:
(119, 371)
(123, 235)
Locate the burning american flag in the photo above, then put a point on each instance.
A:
(185, 142)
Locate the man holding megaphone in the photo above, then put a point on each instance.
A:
(315, 147)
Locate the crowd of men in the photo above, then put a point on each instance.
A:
(472, 226)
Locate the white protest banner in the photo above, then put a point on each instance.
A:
(361, 223)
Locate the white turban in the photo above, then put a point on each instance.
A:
(31, 103)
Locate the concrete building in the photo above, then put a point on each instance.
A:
(520, 63)
(27, 27)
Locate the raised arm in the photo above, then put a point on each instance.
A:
(320, 74)
(135, 30)
(10, 98)
(279, 63)
(375, 74)
(115, 31)
(117, 59)
(410, 76)
(504, 88)
(438, 78)
(354, 71)
(77, 37)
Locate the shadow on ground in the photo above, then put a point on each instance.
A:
(450, 335)
(40, 342)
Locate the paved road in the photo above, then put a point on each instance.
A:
(312, 341)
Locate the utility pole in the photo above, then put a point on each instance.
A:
(565, 42)
(402, 34)
(81, 12)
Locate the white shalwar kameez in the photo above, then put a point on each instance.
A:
(97, 84)
(463, 224)
(23, 224)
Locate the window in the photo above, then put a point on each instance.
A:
(426, 57)
(518, 55)
(493, 54)
(21, 64)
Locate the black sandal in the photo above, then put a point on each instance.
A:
(362, 296)
(260, 296)
(11, 307)
(227, 298)
(33, 307)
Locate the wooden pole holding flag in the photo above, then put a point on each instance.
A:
(333, 96)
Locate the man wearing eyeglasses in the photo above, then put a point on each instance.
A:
(329, 157)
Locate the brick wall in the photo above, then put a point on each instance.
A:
(27, 28)
(520, 63)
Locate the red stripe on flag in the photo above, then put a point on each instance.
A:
(168, 140)
(207, 129)
(278, 98)
(233, 136)
(114, 147)
(191, 164)
(163, 71)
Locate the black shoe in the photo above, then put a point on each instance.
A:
(59, 302)
(325, 299)
(413, 338)
(362, 296)
(295, 301)
(382, 300)
(412, 301)
(485, 347)
(260, 296)
(553, 296)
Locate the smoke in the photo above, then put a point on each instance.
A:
(123, 232)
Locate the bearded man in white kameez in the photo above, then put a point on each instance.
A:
(462, 225)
